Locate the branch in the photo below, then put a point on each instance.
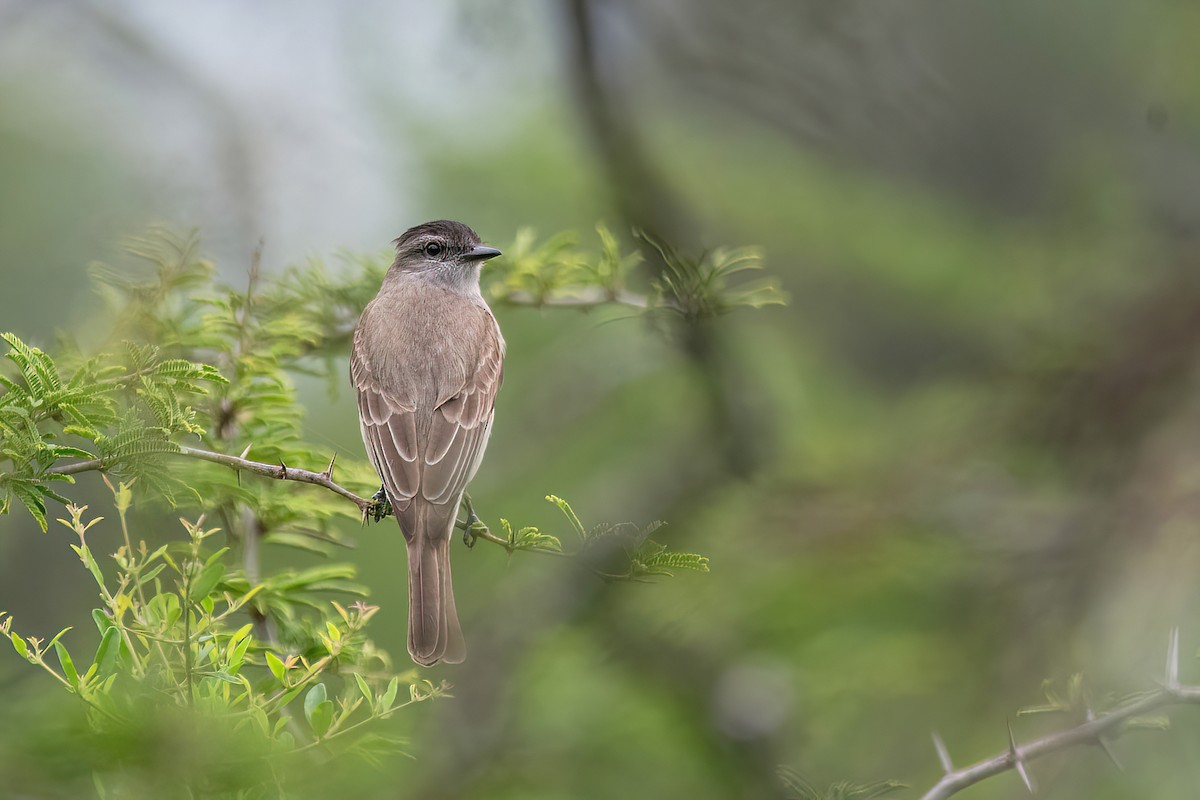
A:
(473, 527)
(1095, 731)
(282, 472)
(583, 299)
(279, 472)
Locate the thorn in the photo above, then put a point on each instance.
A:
(283, 467)
(246, 452)
(1108, 752)
(1172, 681)
(1102, 743)
(1018, 762)
(942, 753)
(329, 469)
(1025, 777)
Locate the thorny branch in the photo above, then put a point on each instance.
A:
(1096, 730)
(280, 472)
(369, 508)
(584, 298)
(375, 508)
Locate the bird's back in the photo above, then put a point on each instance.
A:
(421, 343)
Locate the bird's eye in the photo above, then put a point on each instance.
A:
(433, 249)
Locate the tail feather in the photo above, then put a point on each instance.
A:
(456, 645)
(433, 631)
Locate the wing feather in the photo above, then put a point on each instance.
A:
(438, 468)
(389, 431)
(460, 426)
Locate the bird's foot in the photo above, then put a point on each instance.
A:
(472, 527)
(380, 506)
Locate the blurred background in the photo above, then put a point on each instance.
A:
(964, 459)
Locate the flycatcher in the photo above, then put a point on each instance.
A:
(427, 361)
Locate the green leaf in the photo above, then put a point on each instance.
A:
(150, 574)
(300, 541)
(32, 498)
(225, 676)
(207, 581)
(321, 718)
(389, 696)
(238, 657)
(318, 710)
(89, 561)
(569, 513)
(108, 652)
(63, 451)
(103, 623)
(58, 636)
(240, 634)
(235, 649)
(68, 666)
(662, 561)
(530, 538)
(1160, 723)
(19, 645)
(276, 666)
(316, 695)
(365, 688)
(800, 788)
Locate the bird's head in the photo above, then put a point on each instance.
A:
(446, 251)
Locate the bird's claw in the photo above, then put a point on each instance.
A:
(472, 527)
(380, 506)
(473, 531)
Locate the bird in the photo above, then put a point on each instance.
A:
(427, 361)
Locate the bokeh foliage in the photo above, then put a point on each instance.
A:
(203, 630)
(975, 424)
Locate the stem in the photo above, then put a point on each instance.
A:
(584, 299)
(134, 573)
(41, 662)
(358, 724)
(187, 637)
(1094, 731)
(276, 471)
(312, 672)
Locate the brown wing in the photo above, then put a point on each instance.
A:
(458, 430)
(461, 426)
(389, 431)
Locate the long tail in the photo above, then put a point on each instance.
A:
(433, 631)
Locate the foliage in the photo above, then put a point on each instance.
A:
(1071, 698)
(694, 287)
(643, 557)
(184, 625)
(173, 632)
(646, 557)
(123, 409)
(132, 405)
(698, 287)
(799, 788)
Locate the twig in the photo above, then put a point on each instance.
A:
(1096, 730)
(584, 299)
(474, 528)
(279, 472)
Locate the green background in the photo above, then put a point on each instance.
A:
(969, 444)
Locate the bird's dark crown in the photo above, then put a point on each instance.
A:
(455, 236)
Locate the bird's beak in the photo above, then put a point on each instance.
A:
(480, 253)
